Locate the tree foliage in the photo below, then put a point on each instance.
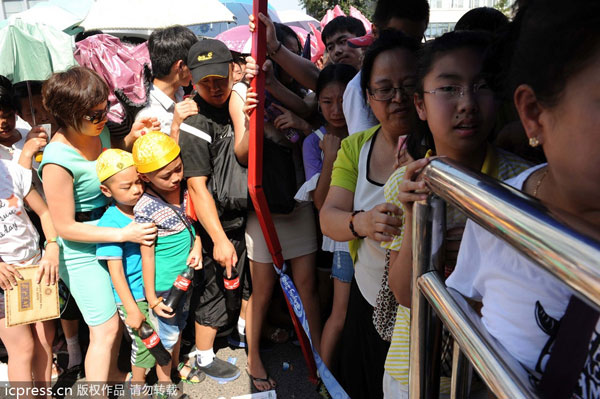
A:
(505, 6)
(318, 8)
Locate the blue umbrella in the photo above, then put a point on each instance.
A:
(241, 9)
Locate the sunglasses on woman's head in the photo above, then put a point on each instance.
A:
(97, 116)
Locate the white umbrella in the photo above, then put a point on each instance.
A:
(145, 15)
(297, 18)
(48, 14)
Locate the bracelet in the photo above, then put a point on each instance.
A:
(50, 241)
(276, 50)
(351, 224)
(158, 300)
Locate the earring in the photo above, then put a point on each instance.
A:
(534, 142)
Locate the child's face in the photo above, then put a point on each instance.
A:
(41, 115)
(215, 90)
(340, 52)
(7, 123)
(458, 122)
(166, 179)
(395, 68)
(330, 100)
(125, 187)
(238, 72)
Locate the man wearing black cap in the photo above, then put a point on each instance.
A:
(211, 66)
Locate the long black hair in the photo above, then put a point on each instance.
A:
(334, 73)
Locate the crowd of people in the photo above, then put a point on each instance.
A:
(150, 234)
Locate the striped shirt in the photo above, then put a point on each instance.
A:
(499, 164)
(151, 209)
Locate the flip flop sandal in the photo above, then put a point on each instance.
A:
(267, 379)
(195, 376)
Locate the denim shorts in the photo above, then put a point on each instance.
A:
(169, 329)
(343, 267)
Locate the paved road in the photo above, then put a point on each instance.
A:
(291, 384)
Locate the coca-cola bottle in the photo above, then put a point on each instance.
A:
(232, 292)
(179, 288)
(151, 340)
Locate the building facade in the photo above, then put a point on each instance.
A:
(445, 13)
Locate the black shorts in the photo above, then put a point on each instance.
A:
(68, 307)
(208, 298)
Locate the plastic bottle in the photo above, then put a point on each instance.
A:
(151, 340)
(232, 291)
(179, 288)
(291, 134)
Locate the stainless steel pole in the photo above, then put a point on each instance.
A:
(421, 250)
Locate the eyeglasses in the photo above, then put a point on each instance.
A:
(387, 93)
(454, 92)
(97, 116)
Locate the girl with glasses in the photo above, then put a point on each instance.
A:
(457, 109)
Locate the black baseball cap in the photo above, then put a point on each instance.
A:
(209, 57)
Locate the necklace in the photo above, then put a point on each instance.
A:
(537, 186)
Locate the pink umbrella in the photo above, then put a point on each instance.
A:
(331, 14)
(121, 66)
(358, 15)
(338, 12)
(239, 39)
(317, 48)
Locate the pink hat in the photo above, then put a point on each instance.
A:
(362, 41)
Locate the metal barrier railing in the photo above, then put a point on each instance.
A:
(557, 242)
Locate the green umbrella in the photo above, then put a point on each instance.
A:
(33, 51)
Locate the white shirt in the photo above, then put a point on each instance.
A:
(161, 107)
(519, 298)
(18, 237)
(13, 152)
(370, 258)
(357, 112)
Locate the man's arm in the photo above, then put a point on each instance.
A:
(207, 214)
(301, 69)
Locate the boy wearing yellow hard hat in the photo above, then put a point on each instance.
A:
(119, 180)
(177, 247)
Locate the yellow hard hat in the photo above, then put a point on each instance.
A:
(154, 150)
(111, 162)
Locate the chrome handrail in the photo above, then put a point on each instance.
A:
(541, 234)
(558, 242)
